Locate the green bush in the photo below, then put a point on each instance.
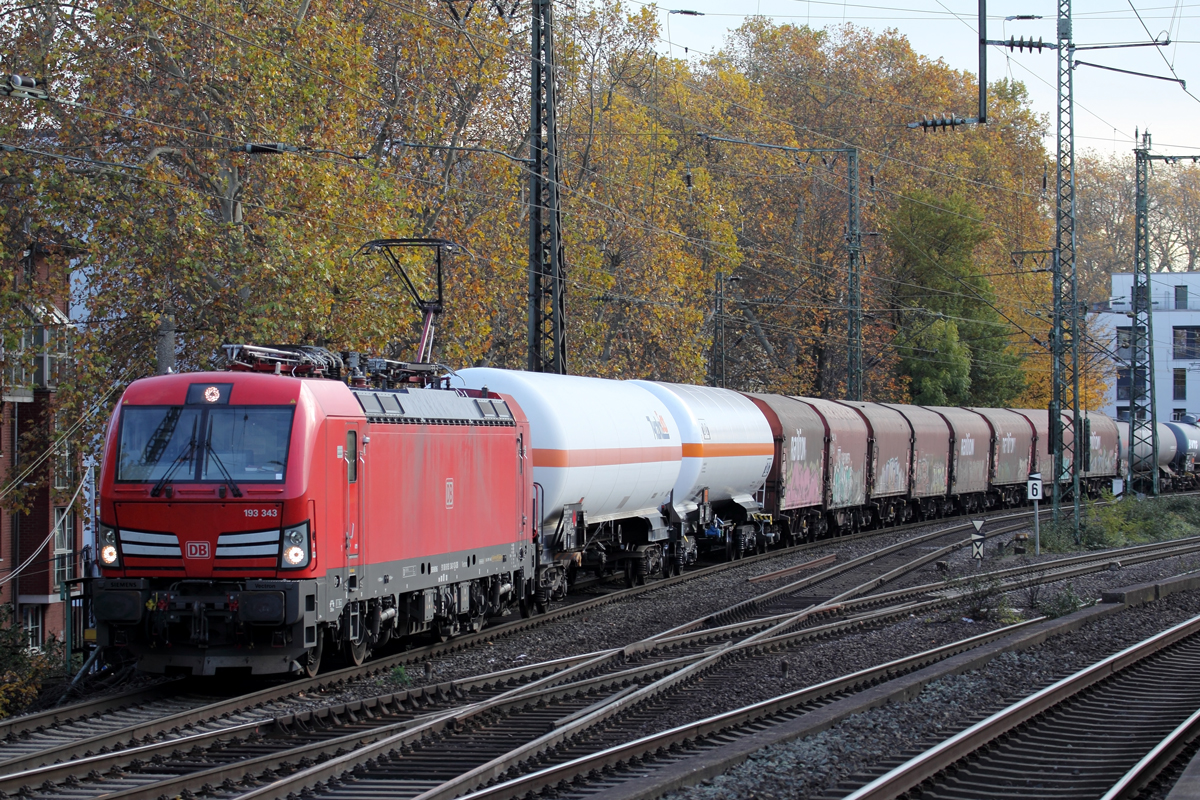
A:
(400, 676)
(1107, 523)
(1062, 603)
(22, 669)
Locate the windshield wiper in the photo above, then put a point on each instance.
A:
(213, 455)
(185, 455)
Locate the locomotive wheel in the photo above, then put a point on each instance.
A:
(310, 662)
(630, 575)
(356, 652)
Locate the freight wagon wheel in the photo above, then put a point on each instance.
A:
(311, 660)
(356, 652)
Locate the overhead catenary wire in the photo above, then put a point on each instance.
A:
(53, 532)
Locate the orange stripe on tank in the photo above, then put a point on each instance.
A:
(603, 456)
(727, 450)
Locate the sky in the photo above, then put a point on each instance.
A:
(1109, 106)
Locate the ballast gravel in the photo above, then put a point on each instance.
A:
(621, 623)
(834, 762)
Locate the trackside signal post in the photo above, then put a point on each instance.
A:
(1033, 491)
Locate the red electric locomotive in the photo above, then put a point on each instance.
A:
(255, 519)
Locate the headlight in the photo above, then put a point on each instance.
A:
(108, 555)
(296, 547)
(108, 534)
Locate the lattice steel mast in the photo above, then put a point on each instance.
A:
(1065, 336)
(854, 310)
(1143, 411)
(547, 275)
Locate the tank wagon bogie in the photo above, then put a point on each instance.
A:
(726, 453)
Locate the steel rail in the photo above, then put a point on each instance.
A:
(496, 768)
(733, 719)
(15, 726)
(1154, 762)
(403, 732)
(928, 764)
(1092, 562)
(155, 727)
(243, 703)
(547, 687)
(599, 661)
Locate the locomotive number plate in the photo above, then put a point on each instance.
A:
(262, 512)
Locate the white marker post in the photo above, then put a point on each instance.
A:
(1033, 491)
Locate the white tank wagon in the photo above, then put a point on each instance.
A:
(728, 450)
(1168, 452)
(606, 456)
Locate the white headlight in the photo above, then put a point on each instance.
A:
(108, 554)
(294, 555)
(295, 536)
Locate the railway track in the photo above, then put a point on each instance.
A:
(247, 715)
(242, 747)
(87, 720)
(1103, 732)
(594, 713)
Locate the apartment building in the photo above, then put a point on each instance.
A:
(1175, 326)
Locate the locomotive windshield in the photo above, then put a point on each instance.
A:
(193, 444)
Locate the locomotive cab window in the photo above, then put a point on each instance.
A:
(183, 444)
(351, 456)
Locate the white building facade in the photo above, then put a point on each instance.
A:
(1175, 323)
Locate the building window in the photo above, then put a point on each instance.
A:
(1125, 385)
(1186, 342)
(1181, 298)
(64, 467)
(64, 545)
(31, 623)
(1177, 414)
(1179, 382)
(42, 353)
(1123, 413)
(1124, 343)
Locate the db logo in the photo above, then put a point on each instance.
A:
(197, 549)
